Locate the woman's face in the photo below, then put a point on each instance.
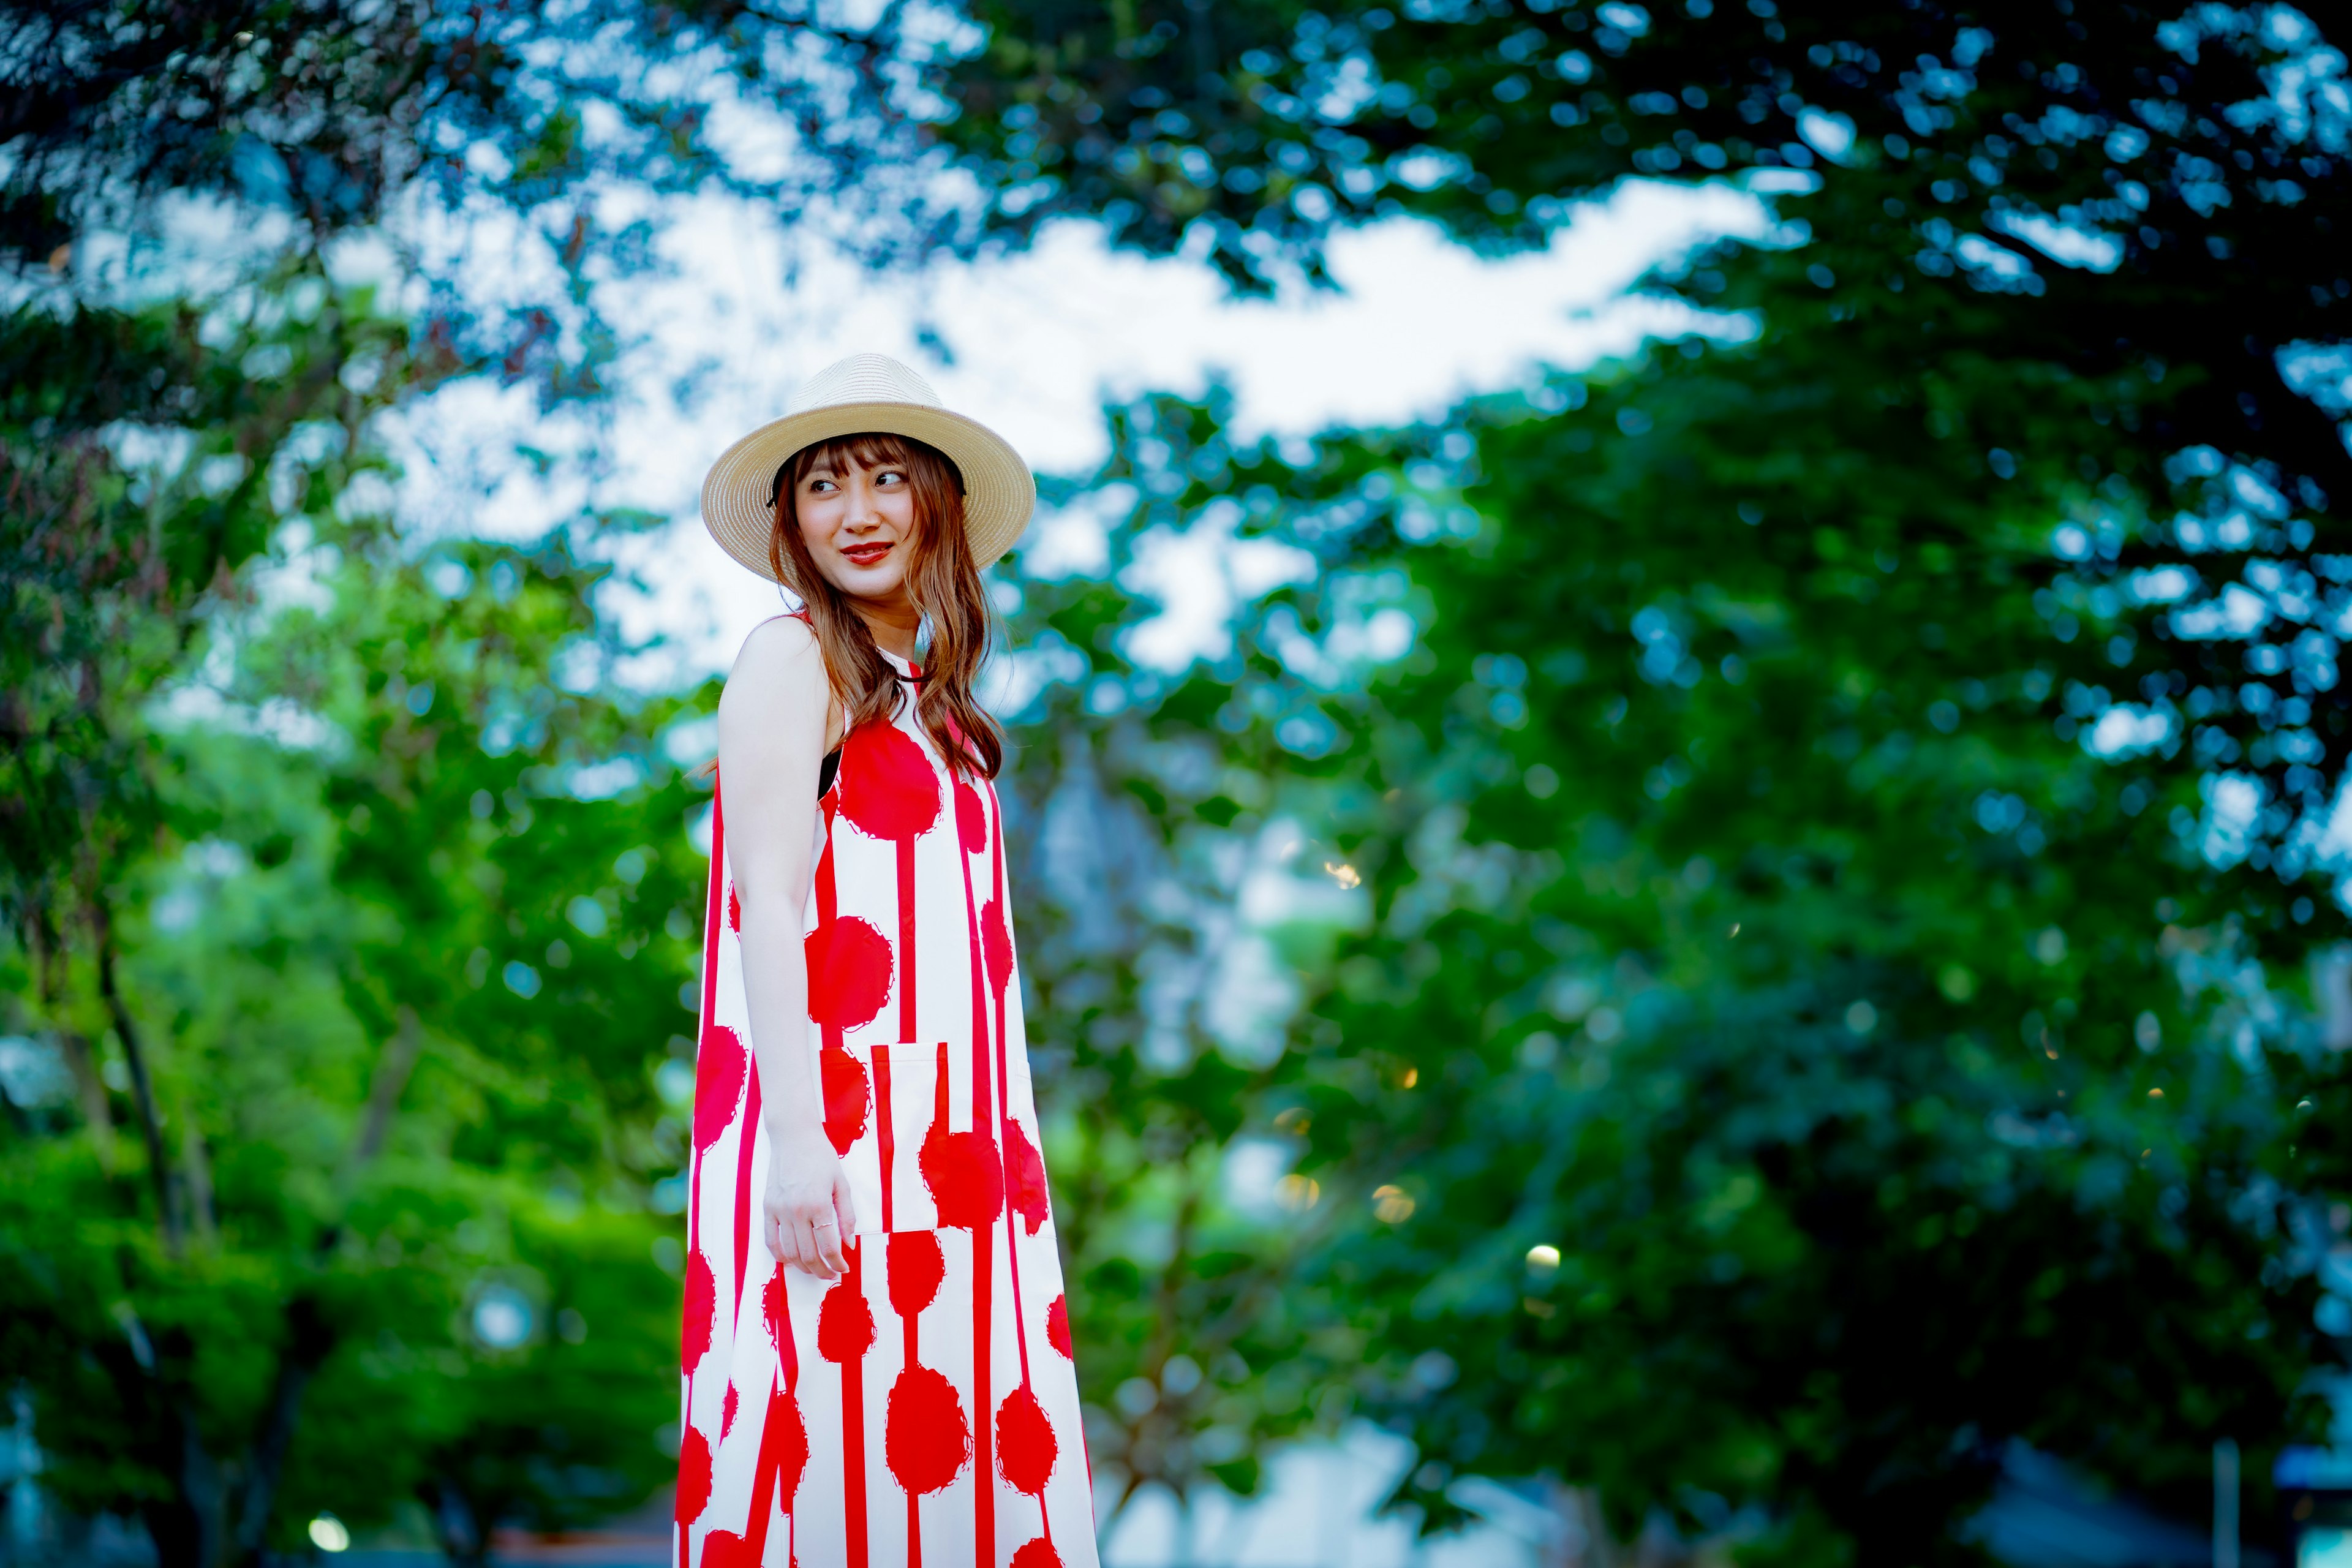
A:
(859, 526)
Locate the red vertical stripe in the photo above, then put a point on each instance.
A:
(827, 906)
(826, 900)
(1005, 1081)
(853, 1427)
(905, 848)
(907, 1021)
(711, 915)
(986, 1093)
(886, 1139)
(743, 1186)
(983, 1282)
(763, 1485)
(713, 912)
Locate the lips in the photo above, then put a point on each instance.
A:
(866, 554)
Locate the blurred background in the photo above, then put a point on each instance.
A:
(1679, 767)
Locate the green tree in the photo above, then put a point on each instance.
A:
(420, 1256)
(1813, 839)
(1744, 934)
(2076, 187)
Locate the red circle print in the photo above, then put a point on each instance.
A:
(971, 818)
(727, 1411)
(1039, 1554)
(1057, 1325)
(925, 1438)
(996, 943)
(1025, 1176)
(916, 1267)
(887, 787)
(845, 1098)
(786, 1441)
(701, 1308)
(966, 1180)
(718, 1083)
(848, 973)
(1024, 1442)
(734, 910)
(693, 1477)
(776, 1309)
(845, 1324)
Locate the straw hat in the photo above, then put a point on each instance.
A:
(862, 393)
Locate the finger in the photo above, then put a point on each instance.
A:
(787, 1243)
(828, 1245)
(845, 1205)
(812, 1249)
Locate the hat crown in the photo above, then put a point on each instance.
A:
(867, 391)
(863, 378)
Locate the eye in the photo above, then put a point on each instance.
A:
(818, 486)
(891, 477)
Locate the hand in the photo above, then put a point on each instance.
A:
(807, 1215)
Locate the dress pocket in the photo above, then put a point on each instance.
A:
(900, 1116)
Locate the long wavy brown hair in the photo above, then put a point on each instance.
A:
(940, 579)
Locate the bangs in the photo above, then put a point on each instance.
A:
(867, 449)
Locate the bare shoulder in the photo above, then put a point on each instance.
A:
(780, 663)
(777, 643)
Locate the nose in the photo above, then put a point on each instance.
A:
(859, 515)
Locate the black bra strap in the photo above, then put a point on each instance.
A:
(826, 770)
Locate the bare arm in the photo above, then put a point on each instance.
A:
(774, 728)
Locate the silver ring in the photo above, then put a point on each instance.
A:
(826, 1224)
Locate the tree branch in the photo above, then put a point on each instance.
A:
(391, 1070)
(142, 1088)
(309, 1337)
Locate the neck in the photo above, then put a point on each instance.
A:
(894, 626)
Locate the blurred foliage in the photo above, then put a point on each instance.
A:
(389, 1232)
(2067, 187)
(1733, 924)
(332, 112)
(310, 120)
(1813, 986)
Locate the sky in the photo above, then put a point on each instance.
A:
(1031, 343)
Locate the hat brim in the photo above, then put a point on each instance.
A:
(1000, 493)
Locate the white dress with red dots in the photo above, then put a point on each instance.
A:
(922, 1409)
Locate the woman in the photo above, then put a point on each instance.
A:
(876, 1351)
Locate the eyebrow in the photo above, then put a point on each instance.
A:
(826, 469)
(834, 471)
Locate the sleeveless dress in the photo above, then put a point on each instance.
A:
(923, 1408)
